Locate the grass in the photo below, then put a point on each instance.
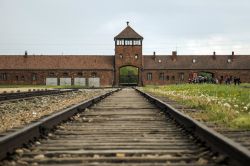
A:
(227, 105)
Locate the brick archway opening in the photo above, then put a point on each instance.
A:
(128, 76)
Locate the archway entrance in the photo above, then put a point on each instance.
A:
(201, 77)
(129, 76)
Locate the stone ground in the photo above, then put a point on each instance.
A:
(21, 112)
(11, 90)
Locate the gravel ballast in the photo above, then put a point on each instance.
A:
(22, 112)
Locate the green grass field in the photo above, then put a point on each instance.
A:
(227, 105)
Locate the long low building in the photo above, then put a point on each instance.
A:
(127, 67)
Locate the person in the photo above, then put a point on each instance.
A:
(235, 80)
(238, 81)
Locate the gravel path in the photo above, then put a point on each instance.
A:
(16, 114)
(13, 90)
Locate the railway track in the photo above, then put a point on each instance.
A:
(241, 136)
(6, 97)
(126, 129)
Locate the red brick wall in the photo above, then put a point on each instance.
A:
(128, 59)
(243, 74)
(106, 76)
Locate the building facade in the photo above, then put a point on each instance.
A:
(127, 67)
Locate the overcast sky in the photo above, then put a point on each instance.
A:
(89, 26)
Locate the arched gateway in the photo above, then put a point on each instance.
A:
(128, 57)
(129, 76)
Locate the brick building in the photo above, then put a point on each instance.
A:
(109, 70)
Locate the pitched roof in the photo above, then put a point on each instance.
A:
(202, 62)
(56, 62)
(128, 33)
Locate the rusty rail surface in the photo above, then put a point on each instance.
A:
(217, 141)
(24, 95)
(10, 142)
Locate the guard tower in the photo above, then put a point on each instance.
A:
(128, 58)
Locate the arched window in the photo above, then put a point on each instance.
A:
(51, 74)
(93, 74)
(65, 74)
(167, 77)
(79, 74)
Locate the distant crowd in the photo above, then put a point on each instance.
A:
(228, 80)
(235, 80)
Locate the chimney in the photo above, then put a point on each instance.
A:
(214, 55)
(26, 54)
(154, 55)
(233, 55)
(174, 55)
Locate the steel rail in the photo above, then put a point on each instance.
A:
(218, 142)
(31, 132)
(25, 95)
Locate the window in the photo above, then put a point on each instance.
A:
(65, 74)
(17, 78)
(121, 56)
(161, 76)
(149, 76)
(51, 74)
(137, 42)
(181, 76)
(3, 76)
(173, 77)
(79, 74)
(22, 78)
(129, 42)
(167, 77)
(93, 74)
(120, 42)
(34, 77)
(136, 56)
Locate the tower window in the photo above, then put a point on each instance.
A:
(129, 42)
(149, 76)
(173, 77)
(120, 42)
(121, 56)
(137, 42)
